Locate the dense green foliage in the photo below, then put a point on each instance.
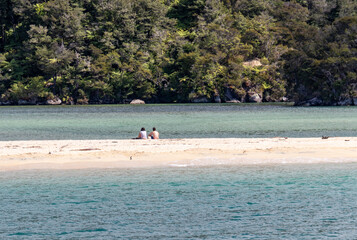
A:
(111, 51)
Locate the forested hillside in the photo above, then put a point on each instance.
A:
(112, 51)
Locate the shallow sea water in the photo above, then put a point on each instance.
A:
(221, 202)
(175, 121)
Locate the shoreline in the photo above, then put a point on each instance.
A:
(79, 154)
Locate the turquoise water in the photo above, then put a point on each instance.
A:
(175, 121)
(246, 202)
(221, 202)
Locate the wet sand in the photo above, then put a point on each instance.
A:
(77, 154)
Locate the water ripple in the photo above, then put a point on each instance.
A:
(252, 202)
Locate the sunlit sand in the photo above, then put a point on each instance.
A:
(77, 154)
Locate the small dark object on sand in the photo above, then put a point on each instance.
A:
(325, 137)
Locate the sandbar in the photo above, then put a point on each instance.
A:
(79, 154)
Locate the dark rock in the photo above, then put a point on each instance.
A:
(26, 102)
(315, 102)
(347, 102)
(230, 97)
(311, 102)
(217, 99)
(200, 100)
(6, 103)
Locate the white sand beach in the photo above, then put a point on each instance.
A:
(77, 154)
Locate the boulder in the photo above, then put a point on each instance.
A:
(200, 100)
(137, 101)
(255, 97)
(233, 101)
(284, 99)
(55, 101)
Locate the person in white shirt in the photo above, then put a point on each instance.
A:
(142, 134)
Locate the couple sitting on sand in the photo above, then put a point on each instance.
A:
(153, 135)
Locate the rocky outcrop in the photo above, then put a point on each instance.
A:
(311, 102)
(354, 101)
(55, 101)
(137, 101)
(316, 101)
(217, 99)
(233, 101)
(200, 100)
(27, 102)
(254, 97)
(253, 63)
(230, 96)
(5, 103)
(347, 102)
